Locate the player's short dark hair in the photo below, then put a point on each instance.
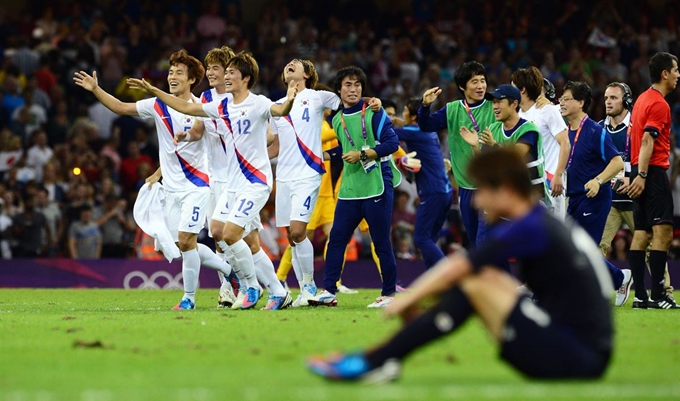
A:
(351, 71)
(245, 62)
(309, 69)
(466, 71)
(529, 78)
(501, 166)
(413, 104)
(659, 63)
(388, 103)
(581, 92)
(219, 56)
(195, 68)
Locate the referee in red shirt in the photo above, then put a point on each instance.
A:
(650, 188)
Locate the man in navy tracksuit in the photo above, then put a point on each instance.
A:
(434, 188)
(367, 142)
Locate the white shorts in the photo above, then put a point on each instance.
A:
(217, 188)
(559, 203)
(295, 200)
(242, 207)
(186, 211)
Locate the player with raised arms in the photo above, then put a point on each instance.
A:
(182, 166)
(246, 116)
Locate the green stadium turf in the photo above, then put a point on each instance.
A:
(107, 345)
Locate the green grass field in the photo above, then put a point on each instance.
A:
(107, 345)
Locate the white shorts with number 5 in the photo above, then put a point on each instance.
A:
(295, 200)
(186, 211)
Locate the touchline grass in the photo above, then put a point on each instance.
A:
(107, 345)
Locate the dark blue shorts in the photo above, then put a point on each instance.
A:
(539, 347)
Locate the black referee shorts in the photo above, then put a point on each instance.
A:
(539, 347)
(655, 205)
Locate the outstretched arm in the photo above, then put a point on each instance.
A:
(190, 108)
(90, 83)
(283, 109)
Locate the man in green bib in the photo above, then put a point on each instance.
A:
(510, 129)
(472, 112)
(367, 141)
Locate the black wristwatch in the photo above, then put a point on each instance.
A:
(364, 156)
(643, 174)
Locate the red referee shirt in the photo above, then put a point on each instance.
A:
(651, 113)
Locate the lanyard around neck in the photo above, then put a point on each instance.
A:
(578, 133)
(363, 126)
(472, 117)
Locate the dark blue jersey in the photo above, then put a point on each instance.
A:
(562, 266)
(431, 179)
(589, 156)
(619, 135)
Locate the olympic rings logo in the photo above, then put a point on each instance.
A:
(167, 282)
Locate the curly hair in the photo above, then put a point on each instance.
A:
(219, 56)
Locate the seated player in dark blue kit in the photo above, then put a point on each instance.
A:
(567, 333)
(434, 188)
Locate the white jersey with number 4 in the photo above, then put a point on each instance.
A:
(184, 166)
(246, 124)
(216, 140)
(300, 154)
(550, 123)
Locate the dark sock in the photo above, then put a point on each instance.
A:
(657, 267)
(616, 273)
(445, 317)
(638, 267)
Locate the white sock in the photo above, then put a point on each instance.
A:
(191, 265)
(211, 260)
(304, 253)
(265, 273)
(296, 265)
(223, 246)
(243, 261)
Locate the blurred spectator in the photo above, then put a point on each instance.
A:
(31, 115)
(39, 154)
(55, 229)
(25, 58)
(103, 118)
(211, 28)
(28, 228)
(84, 237)
(55, 190)
(113, 223)
(620, 245)
(129, 166)
(11, 95)
(5, 231)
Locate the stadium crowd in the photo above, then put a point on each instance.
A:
(70, 168)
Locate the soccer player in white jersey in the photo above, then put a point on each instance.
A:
(182, 167)
(218, 161)
(553, 131)
(246, 116)
(300, 166)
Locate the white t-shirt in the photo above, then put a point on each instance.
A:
(550, 123)
(216, 137)
(300, 154)
(247, 126)
(37, 158)
(184, 166)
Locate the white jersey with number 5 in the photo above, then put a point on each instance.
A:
(247, 128)
(184, 166)
(300, 154)
(216, 136)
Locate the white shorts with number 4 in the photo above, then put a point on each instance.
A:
(186, 211)
(295, 200)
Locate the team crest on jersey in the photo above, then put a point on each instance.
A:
(243, 113)
(188, 120)
(305, 102)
